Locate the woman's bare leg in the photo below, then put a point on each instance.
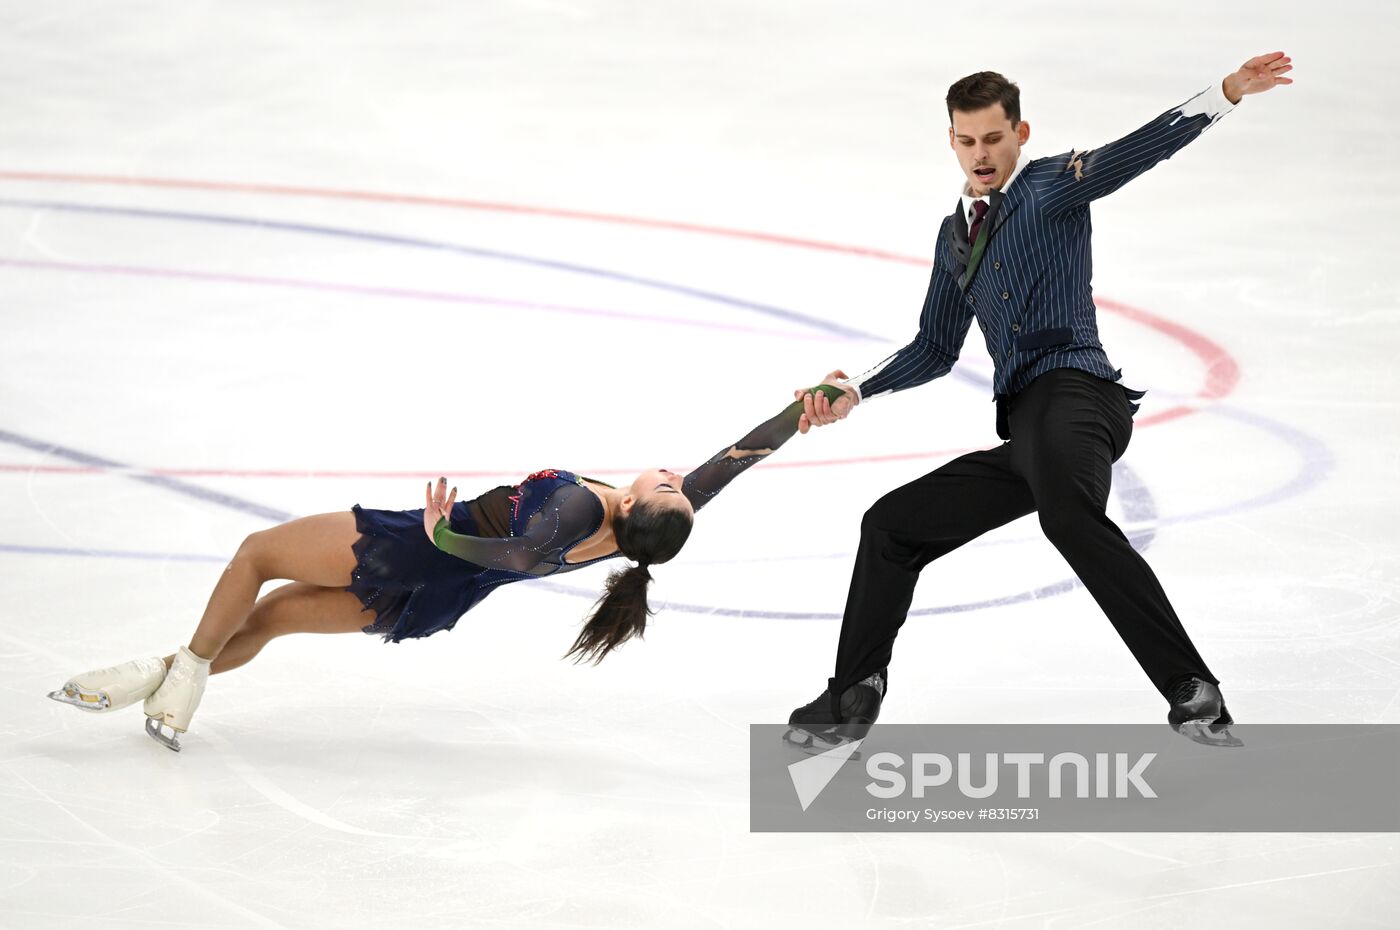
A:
(294, 608)
(315, 550)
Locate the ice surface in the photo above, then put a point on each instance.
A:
(262, 260)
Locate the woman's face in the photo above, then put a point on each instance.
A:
(660, 487)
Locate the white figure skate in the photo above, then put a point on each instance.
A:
(176, 700)
(107, 689)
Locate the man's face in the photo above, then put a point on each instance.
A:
(987, 146)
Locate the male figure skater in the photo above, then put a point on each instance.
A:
(1015, 256)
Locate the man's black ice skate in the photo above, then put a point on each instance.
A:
(821, 725)
(1199, 713)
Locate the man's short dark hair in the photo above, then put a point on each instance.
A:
(981, 90)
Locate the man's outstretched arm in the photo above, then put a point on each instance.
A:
(1072, 180)
(943, 325)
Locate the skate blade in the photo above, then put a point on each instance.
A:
(818, 743)
(1208, 733)
(154, 731)
(91, 701)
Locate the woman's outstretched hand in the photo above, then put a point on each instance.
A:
(438, 506)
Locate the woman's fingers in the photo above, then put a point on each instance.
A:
(437, 501)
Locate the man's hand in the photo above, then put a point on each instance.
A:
(1261, 73)
(818, 411)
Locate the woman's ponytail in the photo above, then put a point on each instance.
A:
(620, 614)
(648, 535)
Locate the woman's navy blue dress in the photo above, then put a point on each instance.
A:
(416, 589)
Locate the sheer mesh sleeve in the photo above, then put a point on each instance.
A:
(568, 516)
(709, 479)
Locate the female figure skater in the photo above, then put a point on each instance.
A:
(420, 570)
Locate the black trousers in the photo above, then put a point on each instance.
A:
(1067, 429)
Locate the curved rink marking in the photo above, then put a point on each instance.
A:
(1316, 461)
(1222, 373)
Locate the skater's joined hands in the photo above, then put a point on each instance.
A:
(817, 410)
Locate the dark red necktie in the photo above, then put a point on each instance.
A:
(979, 207)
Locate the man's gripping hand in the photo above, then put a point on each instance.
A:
(817, 410)
(1260, 73)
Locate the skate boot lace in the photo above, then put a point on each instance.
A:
(1184, 690)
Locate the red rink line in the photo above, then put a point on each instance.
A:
(285, 190)
(409, 293)
(456, 473)
(1221, 370)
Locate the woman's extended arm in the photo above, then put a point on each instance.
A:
(709, 479)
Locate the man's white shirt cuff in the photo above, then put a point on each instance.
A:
(1210, 102)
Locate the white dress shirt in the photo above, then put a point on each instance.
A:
(968, 200)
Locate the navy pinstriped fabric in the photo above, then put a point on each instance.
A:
(1030, 292)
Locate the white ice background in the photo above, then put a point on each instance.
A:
(229, 335)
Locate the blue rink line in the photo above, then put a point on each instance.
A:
(112, 554)
(160, 481)
(221, 219)
(1133, 495)
(1137, 501)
